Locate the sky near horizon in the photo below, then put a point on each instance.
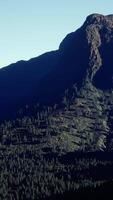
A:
(29, 28)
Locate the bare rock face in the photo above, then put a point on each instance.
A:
(90, 47)
(100, 20)
(99, 30)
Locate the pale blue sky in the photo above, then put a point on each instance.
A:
(29, 28)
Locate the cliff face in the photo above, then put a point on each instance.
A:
(100, 39)
(92, 45)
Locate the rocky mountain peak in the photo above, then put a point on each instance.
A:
(98, 30)
(100, 19)
(93, 42)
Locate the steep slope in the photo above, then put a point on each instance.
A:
(83, 56)
(78, 78)
(60, 140)
(20, 81)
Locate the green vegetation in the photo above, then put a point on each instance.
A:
(29, 173)
(45, 153)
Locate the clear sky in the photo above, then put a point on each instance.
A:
(29, 28)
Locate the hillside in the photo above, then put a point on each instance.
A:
(56, 132)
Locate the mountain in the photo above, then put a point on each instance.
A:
(56, 112)
(19, 82)
(82, 56)
(78, 78)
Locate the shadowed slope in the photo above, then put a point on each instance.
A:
(84, 56)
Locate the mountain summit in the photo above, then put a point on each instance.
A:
(93, 43)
